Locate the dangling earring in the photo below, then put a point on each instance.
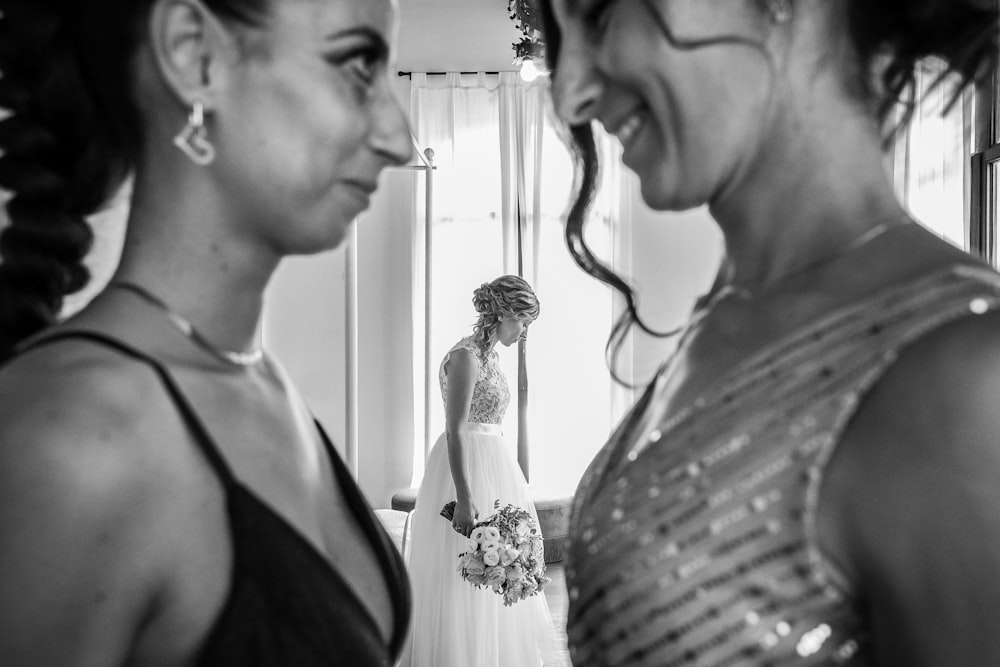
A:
(781, 10)
(193, 139)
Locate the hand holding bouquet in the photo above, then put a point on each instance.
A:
(505, 553)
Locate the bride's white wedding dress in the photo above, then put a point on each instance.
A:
(455, 624)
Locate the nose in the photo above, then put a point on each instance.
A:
(391, 131)
(577, 86)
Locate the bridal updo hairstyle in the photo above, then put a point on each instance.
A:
(509, 296)
(72, 137)
(896, 35)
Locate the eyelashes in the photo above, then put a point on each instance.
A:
(362, 62)
(365, 65)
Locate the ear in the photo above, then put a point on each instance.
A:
(191, 47)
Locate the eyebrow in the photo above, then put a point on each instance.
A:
(360, 31)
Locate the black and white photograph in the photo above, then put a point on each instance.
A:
(499, 333)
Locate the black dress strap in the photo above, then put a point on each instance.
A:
(393, 569)
(201, 435)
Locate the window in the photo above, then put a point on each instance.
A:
(496, 148)
(930, 159)
(985, 172)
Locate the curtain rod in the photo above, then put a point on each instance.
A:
(401, 73)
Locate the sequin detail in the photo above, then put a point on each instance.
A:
(693, 540)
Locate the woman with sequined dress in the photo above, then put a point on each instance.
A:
(166, 497)
(455, 624)
(811, 477)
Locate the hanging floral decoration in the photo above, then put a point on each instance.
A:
(523, 14)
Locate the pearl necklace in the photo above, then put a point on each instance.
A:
(241, 359)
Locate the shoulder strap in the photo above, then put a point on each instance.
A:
(187, 412)
(392, 566)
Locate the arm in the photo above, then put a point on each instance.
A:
(913, 496)
(74, 587)
(462, 369)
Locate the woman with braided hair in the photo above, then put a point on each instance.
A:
(165, 496)
(456, 625)
(812, 477)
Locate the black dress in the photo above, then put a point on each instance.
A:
(287, 606)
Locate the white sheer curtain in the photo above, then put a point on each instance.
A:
(498, 154)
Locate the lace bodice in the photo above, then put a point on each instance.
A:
(491, 394)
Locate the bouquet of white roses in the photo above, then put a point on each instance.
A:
(505, 553)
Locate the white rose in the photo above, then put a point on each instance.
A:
(491, 534)
(491, 558)
(477, 534)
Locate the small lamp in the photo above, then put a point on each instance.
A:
(529, 55)
(529, 72)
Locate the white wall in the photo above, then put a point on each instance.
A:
(385, 328)
(674, 259)
(455, 35)
(304, 328)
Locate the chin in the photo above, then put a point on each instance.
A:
(320, 238)
(333, 227)
(662, 190)
(656, 196)
(659, 198)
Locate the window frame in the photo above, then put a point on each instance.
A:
(983, 186)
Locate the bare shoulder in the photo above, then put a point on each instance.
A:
(914, 493)
(945, 385)
(78, 428)
(75, 484)
(72, 390)
(77, 423)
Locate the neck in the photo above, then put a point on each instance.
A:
(491, 342)
(180, 250)
(803, 202)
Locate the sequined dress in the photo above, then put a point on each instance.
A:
(694, 543)
(455, 624)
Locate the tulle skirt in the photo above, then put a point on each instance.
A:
(455, 624)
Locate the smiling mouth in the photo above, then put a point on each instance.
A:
(629, 128)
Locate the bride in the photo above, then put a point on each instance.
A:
(455, 624)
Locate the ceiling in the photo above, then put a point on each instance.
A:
(455, 35)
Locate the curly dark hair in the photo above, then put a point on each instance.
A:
(961, 34)
(73, 136)
(504, 296)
